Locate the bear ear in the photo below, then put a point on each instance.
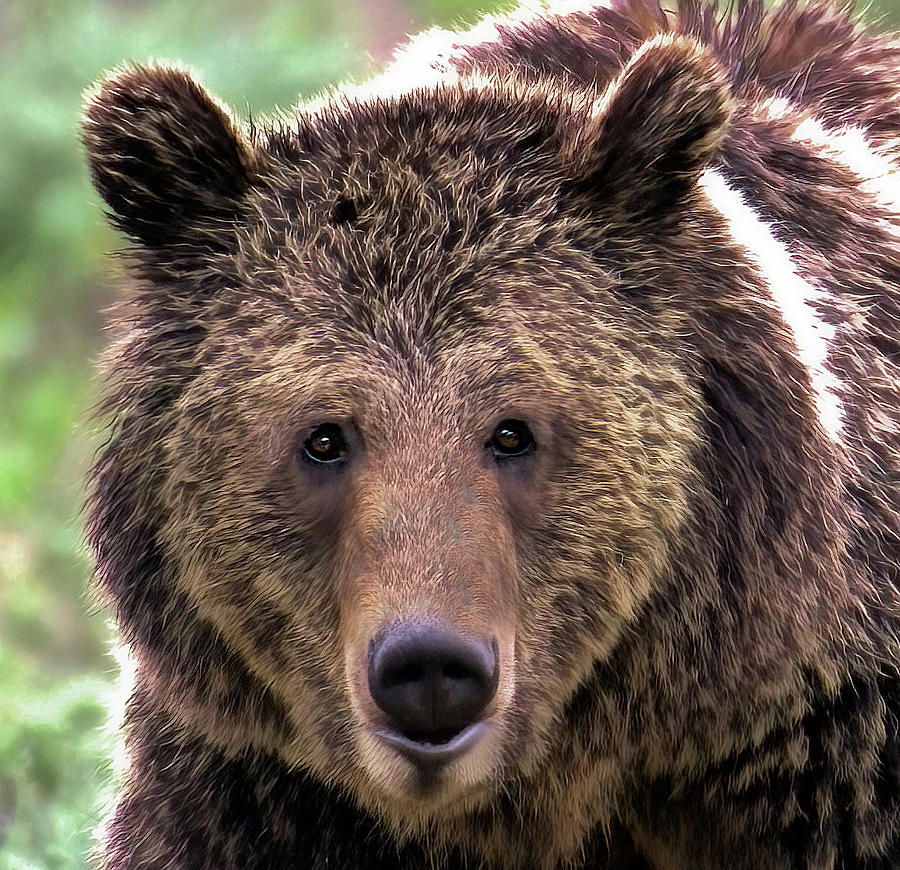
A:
(654, 129)
(169, 162)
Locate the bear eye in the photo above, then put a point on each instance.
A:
(326, 445)
(511, 438)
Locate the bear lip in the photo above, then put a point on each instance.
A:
(430, 756)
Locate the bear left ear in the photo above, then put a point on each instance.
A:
(167, 159)
(654, 130)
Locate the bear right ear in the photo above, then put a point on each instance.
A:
(169, 162)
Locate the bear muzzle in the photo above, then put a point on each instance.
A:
(434, 685)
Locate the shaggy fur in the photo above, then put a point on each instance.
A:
(668, 243)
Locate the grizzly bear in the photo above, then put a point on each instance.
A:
(504, 454)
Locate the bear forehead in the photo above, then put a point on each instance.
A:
(352, 307)
(387, 220)
(293, 362)
(417, 184)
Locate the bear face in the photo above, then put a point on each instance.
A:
(386, 277)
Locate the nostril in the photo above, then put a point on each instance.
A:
(430, 680)
(456, 671)
(403, 675)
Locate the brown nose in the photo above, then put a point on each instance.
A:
(430, 680)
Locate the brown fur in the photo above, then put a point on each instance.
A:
(693, 588)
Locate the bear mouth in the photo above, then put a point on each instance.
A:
(431, 752)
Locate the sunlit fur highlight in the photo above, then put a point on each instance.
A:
(794, 296)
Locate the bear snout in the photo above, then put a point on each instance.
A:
(433, 683)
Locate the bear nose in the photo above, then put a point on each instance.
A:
(431, 681)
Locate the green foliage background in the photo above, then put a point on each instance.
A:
(56, 676)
